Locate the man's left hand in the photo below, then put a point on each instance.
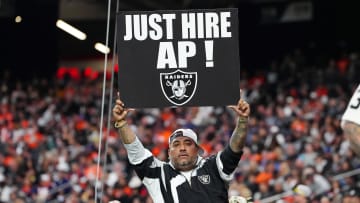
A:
(242, 109)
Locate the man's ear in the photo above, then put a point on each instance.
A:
(168, 155)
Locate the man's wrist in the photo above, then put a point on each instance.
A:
(120, 124)
(243, 119)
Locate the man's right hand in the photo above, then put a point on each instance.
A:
(119, 111)
(119, 116)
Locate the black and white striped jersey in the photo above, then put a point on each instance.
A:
(208, 182)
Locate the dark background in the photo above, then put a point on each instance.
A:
(35, 46)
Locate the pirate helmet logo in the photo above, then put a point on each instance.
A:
(204, 179)
(179, 86)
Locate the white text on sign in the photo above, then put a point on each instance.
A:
(194, 26)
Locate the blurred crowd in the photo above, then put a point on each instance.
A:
(49, 135)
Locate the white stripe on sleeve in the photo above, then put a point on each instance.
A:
(137, 152)
(220, 167)
(153, 186)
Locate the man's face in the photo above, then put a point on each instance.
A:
(183, 153)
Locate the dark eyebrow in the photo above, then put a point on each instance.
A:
(185, 140)
(188, 140)
(175, 142)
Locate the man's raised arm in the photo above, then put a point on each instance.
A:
(119, 116)
(237, 140)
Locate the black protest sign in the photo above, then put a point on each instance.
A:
(178, 58)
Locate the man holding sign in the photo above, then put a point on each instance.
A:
(187, 177)
(351, 121)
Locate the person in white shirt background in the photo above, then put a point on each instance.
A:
(351, 121)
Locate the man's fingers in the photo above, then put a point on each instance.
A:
(233, 107)
(119, 110)
(242, 108)
(122, 115)
(242, 105)
(118, 100)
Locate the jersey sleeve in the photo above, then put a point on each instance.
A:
(143, 161)
(352, 112)
(136, 152)
(226, 162)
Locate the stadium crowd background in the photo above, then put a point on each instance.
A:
(50, 133)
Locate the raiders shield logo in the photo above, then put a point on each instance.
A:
(204, 179)
(179, 86)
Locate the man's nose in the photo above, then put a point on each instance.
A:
(182, 147)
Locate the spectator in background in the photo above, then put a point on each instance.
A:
(351, 121)
(318, 184)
